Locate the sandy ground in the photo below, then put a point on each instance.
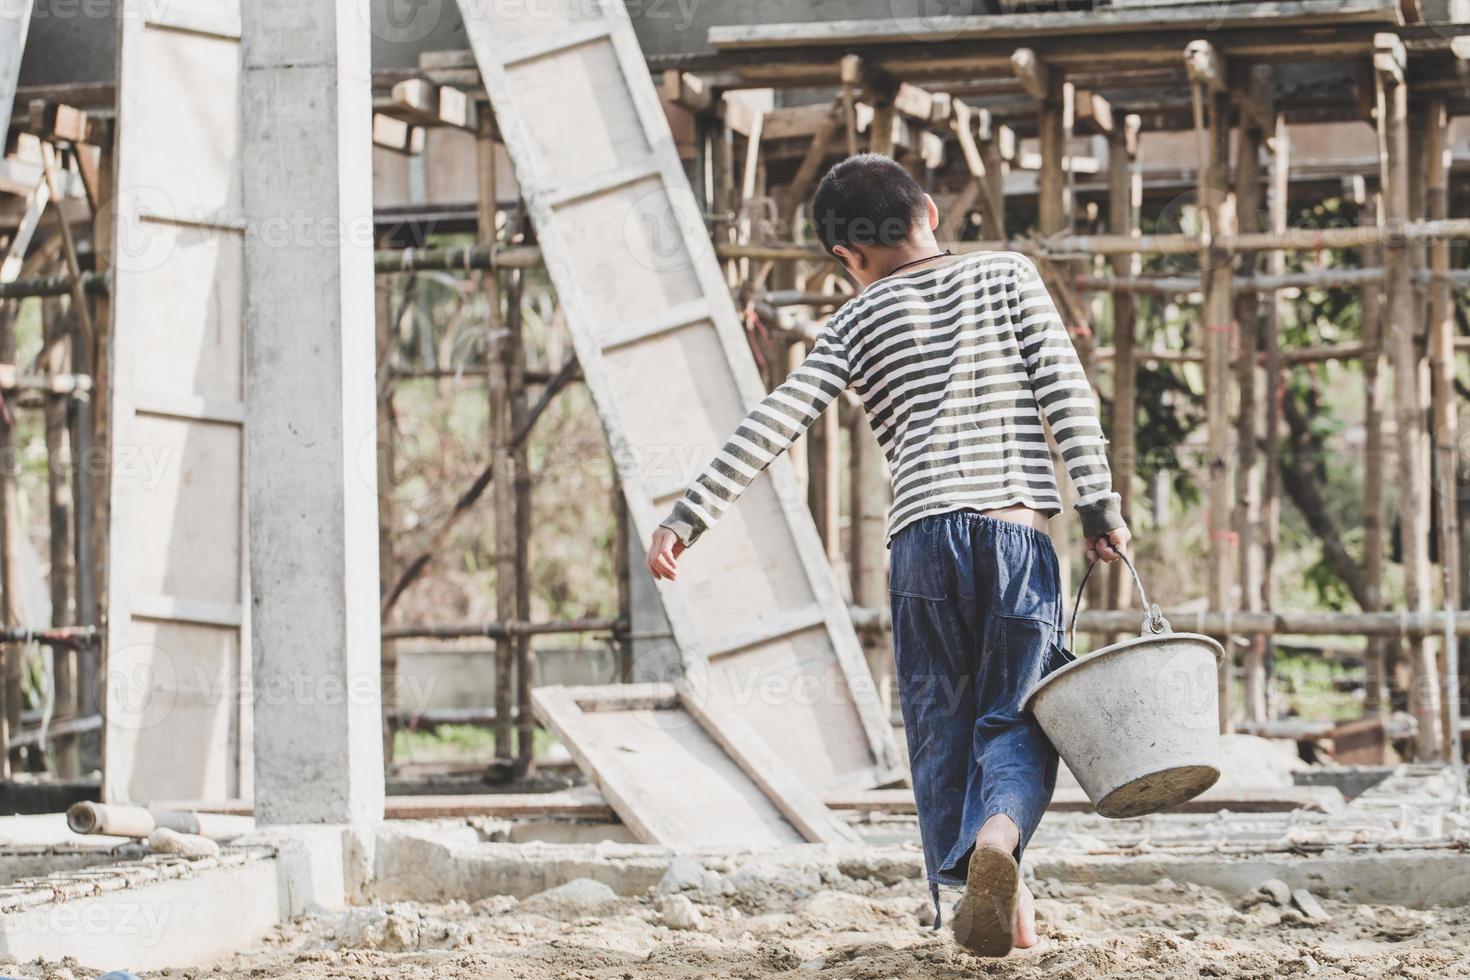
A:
(746, 925)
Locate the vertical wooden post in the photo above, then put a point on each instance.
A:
(525, 667)
(1403, 315)
(1375, 461)
(622, 570)
(1247, 476)
(1053, 94)
(55, 329)
(10, 537)
(387, 566)
(1442, 398)
(93, 439)
(868, 556)
(499, 357)
(1271, 478)
(1124, 190)
(1212, 124)
(824, 476)
(993, 139)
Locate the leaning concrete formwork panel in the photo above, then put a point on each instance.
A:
(756, 611)
(15, 25)
(177, 720)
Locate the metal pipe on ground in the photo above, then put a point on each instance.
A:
(113, 820)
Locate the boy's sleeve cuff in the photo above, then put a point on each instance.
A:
(1101, 516)
(684, 525)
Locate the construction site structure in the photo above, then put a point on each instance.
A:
(667, 208)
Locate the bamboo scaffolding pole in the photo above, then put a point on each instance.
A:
(1403, 317)
(11, 533)
(1246, 513)
(1375, 465)
(622, 571)
(499, 630)
(1054, 100)
(92, 435)
(1212, 105)
(1287, 622)
(387, 518)
(1383, 624)
(525, 721)
(1345, 278)
(1445, 447)
(501, 353)
(483, 255)
(1125, 192)
(68, 244)
(55, 331)
(1279, 208)
(413, 569)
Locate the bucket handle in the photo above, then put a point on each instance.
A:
(1153, 616)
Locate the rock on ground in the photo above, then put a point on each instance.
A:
(165, 841)
(677, 912)
(574, 900)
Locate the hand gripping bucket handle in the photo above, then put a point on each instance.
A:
(1153, 617)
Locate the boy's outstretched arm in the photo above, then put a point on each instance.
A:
(1063, 393)
(767, 432)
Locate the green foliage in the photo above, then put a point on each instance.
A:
(1313, 685)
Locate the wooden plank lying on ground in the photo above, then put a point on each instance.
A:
(588, 805)
(1282, 799)
(679, 770)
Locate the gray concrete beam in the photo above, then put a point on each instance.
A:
(310, 395)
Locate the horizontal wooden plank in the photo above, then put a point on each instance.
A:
(581, 806)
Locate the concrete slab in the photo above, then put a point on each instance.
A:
(146, 914)
(156, 912)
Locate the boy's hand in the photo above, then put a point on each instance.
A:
(663, 554)
(1108, 547)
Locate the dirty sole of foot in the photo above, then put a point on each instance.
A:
(985, 919)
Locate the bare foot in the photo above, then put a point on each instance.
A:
(1025, 918)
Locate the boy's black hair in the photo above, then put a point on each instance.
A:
(866, 200)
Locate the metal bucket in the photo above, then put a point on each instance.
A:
(1137, 722)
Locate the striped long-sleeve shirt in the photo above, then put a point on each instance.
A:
(955, 365)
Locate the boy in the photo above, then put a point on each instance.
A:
(956, 359)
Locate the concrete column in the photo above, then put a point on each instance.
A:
(310, 451)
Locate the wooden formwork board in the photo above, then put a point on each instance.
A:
(757, 612)
(681, 770)
(177, 655)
